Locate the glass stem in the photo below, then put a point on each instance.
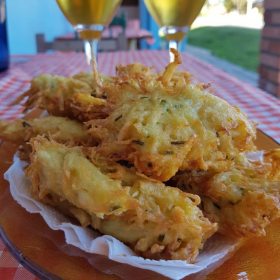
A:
(172, 44)
(91, 56)
(91, 51)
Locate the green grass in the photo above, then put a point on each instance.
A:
(235, 44)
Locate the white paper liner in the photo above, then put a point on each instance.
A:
(215, 250)
(257, 156)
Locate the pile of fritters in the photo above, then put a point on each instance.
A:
(150, 158)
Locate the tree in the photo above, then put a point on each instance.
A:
(239, 5)
(229, 5)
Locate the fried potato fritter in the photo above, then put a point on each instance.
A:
(109, 143)
(60, 129)
(160, 122)
(73, 97)
(163, 123)
(157, 221)
(242, 200)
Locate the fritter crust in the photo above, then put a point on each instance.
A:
(157, 221)
(60, 129)
(242, 200)
(163, 123)
(143, 128)
(73, 97)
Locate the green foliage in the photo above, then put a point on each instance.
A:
(235, 44)
(239, 5)
(229, 5)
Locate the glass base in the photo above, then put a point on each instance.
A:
(173, 33)
(89, 32)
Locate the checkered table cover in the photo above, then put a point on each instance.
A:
(10, 268)
(259, 106)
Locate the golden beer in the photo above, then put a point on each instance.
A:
(174, 12)
(89, 12)
(89, 18)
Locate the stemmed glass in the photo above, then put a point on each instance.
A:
(174, 18)
(89, 18)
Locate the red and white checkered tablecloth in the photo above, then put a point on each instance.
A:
(10, 268)
(259, 106)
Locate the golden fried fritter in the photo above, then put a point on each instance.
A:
(242, 200)
(73, 97)
(60, 129)
(155, 220)
(160, 122)
(163, 123)
(142, 128)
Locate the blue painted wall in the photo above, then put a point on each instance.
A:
(148, 23)
(26, 18)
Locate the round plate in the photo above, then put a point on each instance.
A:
(44, 252)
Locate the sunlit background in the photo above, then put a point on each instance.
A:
(44, 16)
(223, 29)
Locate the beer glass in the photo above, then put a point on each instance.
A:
(174, 18)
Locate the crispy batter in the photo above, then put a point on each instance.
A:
(73, 97)
(58, 128)
(155, 220)
(142, 128)
(160, 122)
(242, 200)
(163, 123)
